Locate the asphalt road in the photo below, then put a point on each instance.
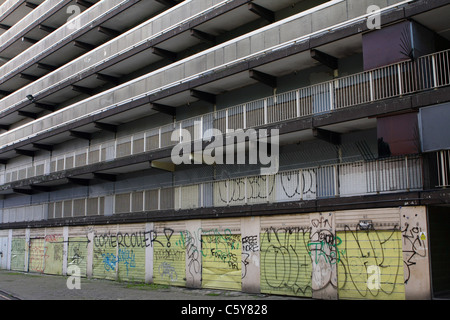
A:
(27, 286)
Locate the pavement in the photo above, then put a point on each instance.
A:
(31, 286)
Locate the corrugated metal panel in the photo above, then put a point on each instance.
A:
(18, 249)
(104, 264)
(36, 255)
(222, 254)
(53, 251)
(131, 252)
(362, 252)
(77, 253)
(381, 219)
(78, 248)
(169, 254)
(3, 252)
(221, 264)
(286, 266)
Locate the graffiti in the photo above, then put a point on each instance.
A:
(226, 257)
(238, 190)
(221, 266)
(297, 184)
(109, 261)
(324, 251)
(165, 269)
(414, 242)
(307, 259)
(364, 249)
(189, 241)
(124, 256)
(285, 261)
(171, 255)
(77, 257)
(37, 255)
(250, 243)
(134, 240)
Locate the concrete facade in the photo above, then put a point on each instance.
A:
(87, 114)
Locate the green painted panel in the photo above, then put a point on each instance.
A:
(18, 248)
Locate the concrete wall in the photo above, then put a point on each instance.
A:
(322, 255)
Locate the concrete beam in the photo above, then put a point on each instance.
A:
(31, 5)
(84, 3)
(106, 126)
(168, 3)
(166, 54)
(105, 176)
(328, 136)
(107, 78)
(81, 182)
(83, 90)
(264, 78)
(45, 106)
(27, 153)
(205, 96)
(41, 188)
(264, 13)
(81, 135)
(29, 40)
(83, 45)
(47, 67)
(171, 111)
(109, 32)
(46, 28)
(24, 191)
(203, 36)
(325, 59)
(165, 166)
(27, 114)
(28, 77)
(46, 147)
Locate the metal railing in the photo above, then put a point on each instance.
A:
(427, 72)
(393, 174)
(443, 168)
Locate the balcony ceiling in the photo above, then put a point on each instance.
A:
(436, 20)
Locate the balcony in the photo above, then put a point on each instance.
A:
(168, 85)
(395, 174)
(428, 72)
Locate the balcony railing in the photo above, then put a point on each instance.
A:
(443, 168)
(428, 72)
(393, 174)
